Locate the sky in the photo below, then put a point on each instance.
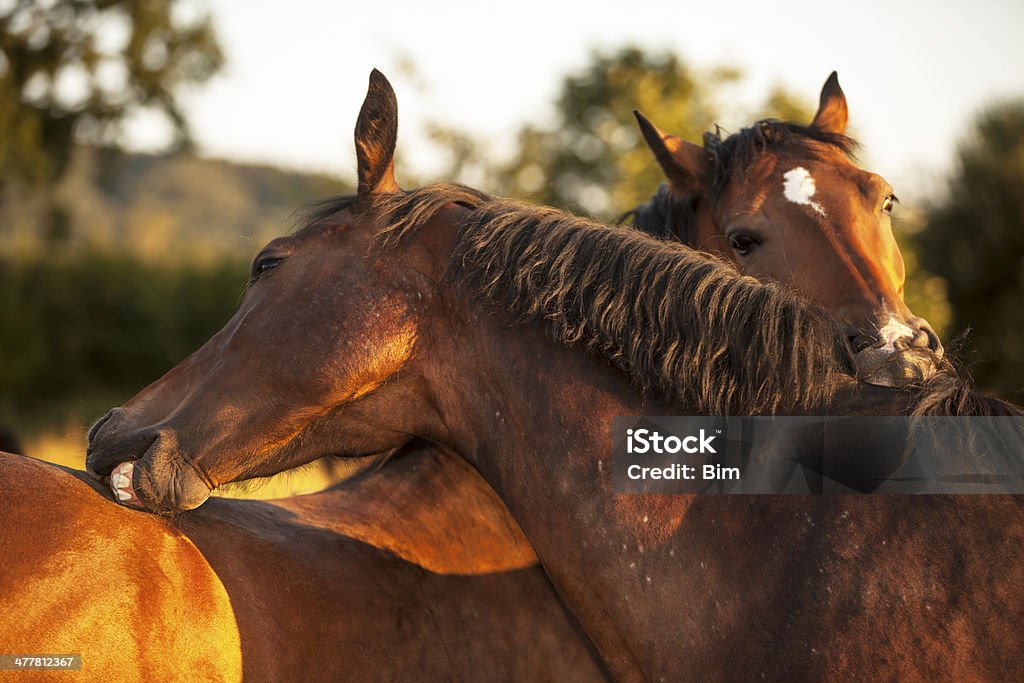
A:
(914, 73)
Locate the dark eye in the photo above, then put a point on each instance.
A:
(262, 265)
(742, 243)
(889, 203)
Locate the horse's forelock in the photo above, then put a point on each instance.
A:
(668, 214)
(321, 211)
(735, 154)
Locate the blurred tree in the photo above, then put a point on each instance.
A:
(974, 239)
(73, 70)
(166, 261)
(593, 159)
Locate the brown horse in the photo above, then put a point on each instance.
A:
(440, 314)
(786, 202)
(413, 573)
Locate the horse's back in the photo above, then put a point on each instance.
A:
(125, 590)
(254, 589)
(342, 568)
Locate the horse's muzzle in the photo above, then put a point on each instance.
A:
(910, 359)
(146, 469)
(899, 368)
(924, 337)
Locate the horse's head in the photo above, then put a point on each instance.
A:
(786, 203)
(295, 373)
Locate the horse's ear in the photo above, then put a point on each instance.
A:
(832, 112)
(376, 135)
(684, 163)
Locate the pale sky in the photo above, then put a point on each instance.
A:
(914, 72)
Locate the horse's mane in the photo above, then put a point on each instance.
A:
(947, 394)
(666, 215)
(406, 212)
(670, 214)
(683, 325)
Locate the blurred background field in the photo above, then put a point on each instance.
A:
(124, 245)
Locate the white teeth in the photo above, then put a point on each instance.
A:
(121, 482)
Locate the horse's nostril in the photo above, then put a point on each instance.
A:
(94, 430)
(925, 338)
(933, 342)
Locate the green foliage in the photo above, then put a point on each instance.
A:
(974, 239)
(592, 159)
(74, 69)
(103, 323)
(158, 264)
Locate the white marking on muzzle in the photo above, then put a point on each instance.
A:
(798, 186)
(893, 331)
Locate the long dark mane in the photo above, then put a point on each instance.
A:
(670, 214)
(683, 325)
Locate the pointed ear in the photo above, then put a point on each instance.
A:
(684, 163)
(376, 134)
(832, 112)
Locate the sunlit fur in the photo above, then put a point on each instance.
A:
(307, 588)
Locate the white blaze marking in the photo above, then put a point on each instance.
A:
(893, 331)
(798, 186)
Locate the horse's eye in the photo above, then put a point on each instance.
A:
(890, 203)
(742, 244)
(263, 265)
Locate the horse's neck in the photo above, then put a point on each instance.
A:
(535, 419)
(427, 507)
(521, 407)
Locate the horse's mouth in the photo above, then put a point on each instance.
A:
(160, 481)
(122, 486)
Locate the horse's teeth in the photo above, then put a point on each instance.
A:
(121, 482)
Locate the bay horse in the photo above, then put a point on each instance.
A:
(786, 202)
(412, 573)
(512, 336)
